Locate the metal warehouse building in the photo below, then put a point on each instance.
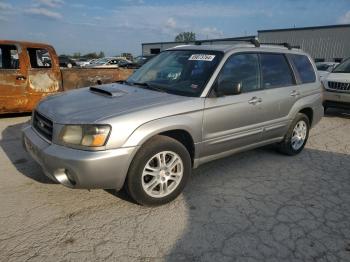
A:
(155, 48)
(323, 43)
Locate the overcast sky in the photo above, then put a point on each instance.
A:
(122, 25)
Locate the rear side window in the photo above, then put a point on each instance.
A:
(304, 68)
(276, 71)
(39, 58)
(8, 57)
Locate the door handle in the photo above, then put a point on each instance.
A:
(294, 93)
(255, 100)
(21, 78)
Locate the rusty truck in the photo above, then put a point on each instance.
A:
(30, 71)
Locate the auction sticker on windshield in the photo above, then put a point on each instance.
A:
(202, 57)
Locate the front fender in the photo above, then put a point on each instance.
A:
(189, 122)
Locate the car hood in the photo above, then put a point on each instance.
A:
(89, 105)
(338, 77)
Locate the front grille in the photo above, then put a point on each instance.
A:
(339, 86)
(43, 125)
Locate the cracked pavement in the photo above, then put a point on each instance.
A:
(253, 206)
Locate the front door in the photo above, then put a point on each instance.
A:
(232, 122)
(13, 80)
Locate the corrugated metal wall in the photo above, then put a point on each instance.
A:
(328, 43)
(323, 43)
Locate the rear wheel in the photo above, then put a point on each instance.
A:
(159, 171)
(296, 136)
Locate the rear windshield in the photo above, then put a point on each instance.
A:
(181, 72)
(304, 67)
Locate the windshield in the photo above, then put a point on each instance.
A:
(178, 72)
(343, 67)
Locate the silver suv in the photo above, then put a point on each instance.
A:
(185, 107)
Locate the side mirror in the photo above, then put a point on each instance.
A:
(227, 88)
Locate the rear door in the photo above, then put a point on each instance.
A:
(281, 92)
(305, 73)
(13, 79)
(44, 73)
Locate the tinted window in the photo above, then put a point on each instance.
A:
(244, 69)
(39, 58)
(275, 71)
(8, 57)
(304, 68)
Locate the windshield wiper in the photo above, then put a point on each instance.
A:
(147, 86)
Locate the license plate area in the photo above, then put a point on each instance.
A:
(32, 149)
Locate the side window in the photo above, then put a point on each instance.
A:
(9, 57)
(276, 71)
(304, 68)
(243, 69)
(39, 58)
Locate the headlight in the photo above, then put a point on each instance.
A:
(85, 135)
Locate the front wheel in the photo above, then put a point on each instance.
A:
(159, 171)
(296, 136)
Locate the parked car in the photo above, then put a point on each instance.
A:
(324, 68)
(337, 87)
(109, 62)
(31, 71)
(65, 61)
(82, 62)
(141, 60)
(185, 107)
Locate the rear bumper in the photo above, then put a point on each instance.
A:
(77, 168)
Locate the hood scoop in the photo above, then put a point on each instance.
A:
(108, 91)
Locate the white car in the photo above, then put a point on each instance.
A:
(108, 62)
(337, 86)
(82, 62)
(324, 68)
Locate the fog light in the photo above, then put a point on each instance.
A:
(64, 177)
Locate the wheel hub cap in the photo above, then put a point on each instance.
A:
(299, 135)
(162, 174)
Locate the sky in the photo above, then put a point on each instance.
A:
(122, 25)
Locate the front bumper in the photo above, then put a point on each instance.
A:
(336, 99)
(77, 168)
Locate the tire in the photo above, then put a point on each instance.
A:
(148, 177)
(69, 65)
(290, 148)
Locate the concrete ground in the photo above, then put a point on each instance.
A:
(254, 206)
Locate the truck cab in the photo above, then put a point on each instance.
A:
(28, 72)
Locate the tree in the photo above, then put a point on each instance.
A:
(76, 55)
(185, 37)
(101, 54)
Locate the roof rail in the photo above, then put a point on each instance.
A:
(287, 45)
(253, 40)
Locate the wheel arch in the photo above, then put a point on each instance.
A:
(185, 129)
(308, 111)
